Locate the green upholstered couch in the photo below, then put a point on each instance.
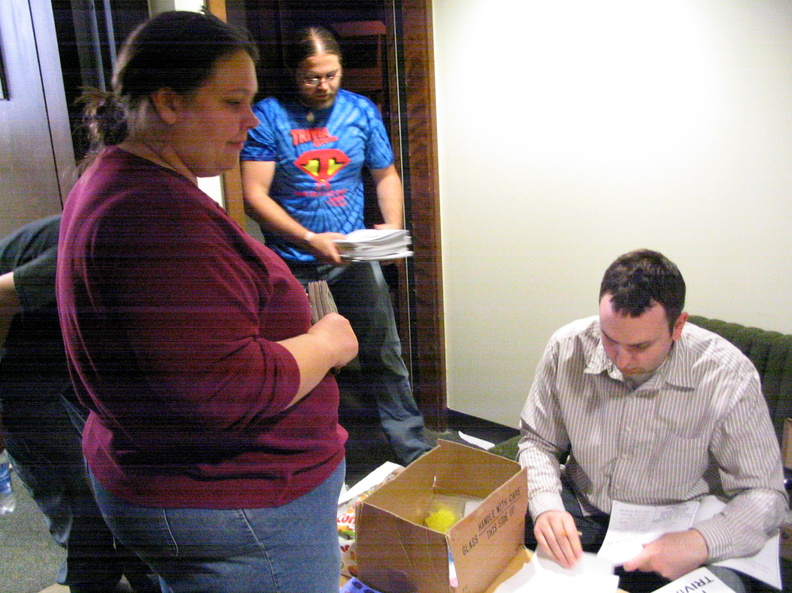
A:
(771, 353)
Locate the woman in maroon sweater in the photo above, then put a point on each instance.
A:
(213, 438)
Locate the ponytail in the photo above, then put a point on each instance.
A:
(104, 119)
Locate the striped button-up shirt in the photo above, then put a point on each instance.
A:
(698, 426)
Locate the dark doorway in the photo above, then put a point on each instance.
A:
(387, 47)
(89, 34)
(365, 31)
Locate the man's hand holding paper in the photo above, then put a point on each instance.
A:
(672, 555)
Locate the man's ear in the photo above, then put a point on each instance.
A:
(167, 103)
(676, 333)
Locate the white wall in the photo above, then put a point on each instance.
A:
(573, 131)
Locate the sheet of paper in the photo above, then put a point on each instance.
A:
(632, 525)
(700, 580)
(486, 445)
(764, 565)
(372, 479)
(541, 574)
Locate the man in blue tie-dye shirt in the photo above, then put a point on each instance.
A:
(302, 173)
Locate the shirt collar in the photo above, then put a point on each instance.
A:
(678, 367)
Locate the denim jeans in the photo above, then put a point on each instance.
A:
(361, 295)
(283, 549)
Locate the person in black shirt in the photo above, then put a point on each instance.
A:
(42, 419)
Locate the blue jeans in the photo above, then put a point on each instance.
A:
(361, 295)
(287, 549)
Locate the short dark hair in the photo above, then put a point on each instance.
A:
(637, 280)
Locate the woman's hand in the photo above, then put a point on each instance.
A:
(330, 343)
(339, 337)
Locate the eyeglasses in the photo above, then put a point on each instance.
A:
(314, 81)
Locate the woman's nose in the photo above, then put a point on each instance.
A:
(251, 121)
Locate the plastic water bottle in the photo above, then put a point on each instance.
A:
(7, 498)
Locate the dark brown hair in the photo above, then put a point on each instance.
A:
(639, 279)
(305, 43)
(310, 41)
(176, 50)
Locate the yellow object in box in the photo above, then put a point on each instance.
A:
(786, 444)
(442, 519)
(444, 512)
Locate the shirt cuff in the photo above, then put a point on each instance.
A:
(545, 501)
(716, 535)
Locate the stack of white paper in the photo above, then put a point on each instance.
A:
(375, 245)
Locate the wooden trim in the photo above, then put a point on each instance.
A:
(424, 212)
(232, 196)
(217, 8)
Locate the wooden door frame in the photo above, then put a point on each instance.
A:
(423, 211)
(425, 300)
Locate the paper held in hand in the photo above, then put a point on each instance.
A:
(591, 574)
(633, 525)
(375, 245)
(320, 299)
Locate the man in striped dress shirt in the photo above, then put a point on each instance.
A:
(634, 405)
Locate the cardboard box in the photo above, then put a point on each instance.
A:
(786, 443)
(397, 553)
(786, 541)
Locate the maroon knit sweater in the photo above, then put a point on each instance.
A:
(170, 313)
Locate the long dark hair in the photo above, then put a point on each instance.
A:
(176, 50)
(305, 43)
(308, 42)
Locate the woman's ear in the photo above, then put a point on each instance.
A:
(167, 103)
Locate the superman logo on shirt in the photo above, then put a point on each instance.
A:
(322, 164)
